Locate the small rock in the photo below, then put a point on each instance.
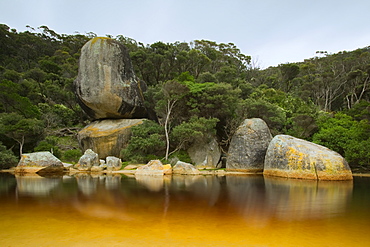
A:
(184, 169)
(113, 163)
(154, 167)
(87, 160)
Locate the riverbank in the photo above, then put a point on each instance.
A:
(218, 172)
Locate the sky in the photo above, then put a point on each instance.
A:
(272, 32)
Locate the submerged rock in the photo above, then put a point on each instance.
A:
(291, 157)
(37, 162)
(108, 137)
(248, 146)
(106, 85)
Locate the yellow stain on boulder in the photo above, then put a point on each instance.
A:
(93, 131)
(94, 40)
(167, 166)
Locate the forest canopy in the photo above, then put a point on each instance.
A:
(210, 88)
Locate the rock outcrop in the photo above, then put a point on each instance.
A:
(248, 146)
(184, 168)
(106, 85)
(39, 162)
(205, 154)
(291, 157)
(107, 137)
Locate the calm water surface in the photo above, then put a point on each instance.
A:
(85, 210)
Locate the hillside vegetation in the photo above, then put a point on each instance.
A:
(196, 89)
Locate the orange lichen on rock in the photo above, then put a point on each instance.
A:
(295, 158)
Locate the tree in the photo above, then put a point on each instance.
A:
(147, 142)
(192, 131)
(20, 129)
(172, 92)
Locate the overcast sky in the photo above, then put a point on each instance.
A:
(271, 31)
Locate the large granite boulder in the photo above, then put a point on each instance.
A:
(184, 168)
(205, 154)
(248, 146)
(291, 157)
(107, 137)
(106, 85)
(39, 162)
(88, 160)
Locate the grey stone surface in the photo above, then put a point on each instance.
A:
(248, 146)
(106, 85)
(35, 162)
(184, 168)
(87, 160)
(205, 154)
(113, 163)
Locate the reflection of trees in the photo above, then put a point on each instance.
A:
(7, 182)
(36, 185)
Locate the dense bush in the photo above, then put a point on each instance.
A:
(7, 158)
(188, 84)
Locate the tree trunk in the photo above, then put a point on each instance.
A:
(166, 129)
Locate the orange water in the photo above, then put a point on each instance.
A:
(183, 211)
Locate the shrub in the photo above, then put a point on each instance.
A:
(7, 158)
(72, 155)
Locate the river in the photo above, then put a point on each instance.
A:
(120, 210)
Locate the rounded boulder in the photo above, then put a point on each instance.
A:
(106, 85)
(291, 157)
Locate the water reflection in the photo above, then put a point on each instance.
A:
(35, 185)
(256, 199)
(152, 183)
(261, 200)
(187, 209)
(294, 199)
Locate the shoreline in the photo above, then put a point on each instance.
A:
(216, 172)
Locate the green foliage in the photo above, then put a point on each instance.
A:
(50, 143)
(20, 129)
(71, 155)
(346, 136)
(195, 130)
(147, 142)
(12, 101)
(198, 80)
(7, 158)
(273, 115)
(181, 155)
